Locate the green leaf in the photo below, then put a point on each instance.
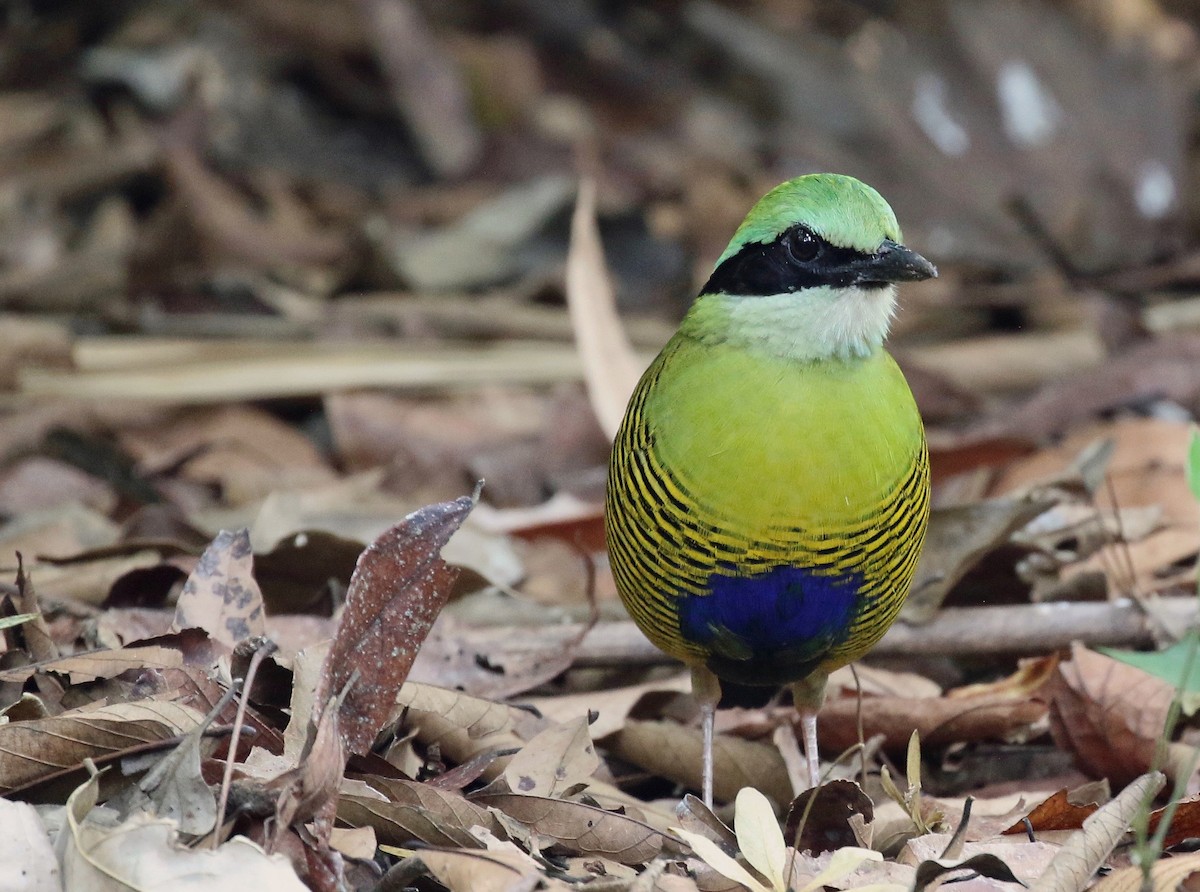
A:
(8, 622)
(1169, 665)
(1193, 463)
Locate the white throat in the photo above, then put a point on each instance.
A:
(809, 325)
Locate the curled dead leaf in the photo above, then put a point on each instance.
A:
(1109, 714)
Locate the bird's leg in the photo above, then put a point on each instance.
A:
(707, 691)
(808, 695)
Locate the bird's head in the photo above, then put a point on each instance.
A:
(810, 274)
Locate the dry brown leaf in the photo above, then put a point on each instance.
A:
(1146, 469)
(938, 720)
(611, 367)
(554, 761)
(475, 716)
(1109, 714)
(1055, 813)
(958, 538)
(359, 843)
(246, 452)
(818, 820)
(25, 850)
(606, 709)
(1031, 676)
(143, 853)
(220, 595)
(1185, 823)
(39, 483)
(91, 581)
(37, 640)
(86, 667)
(174, 788)
(40, 747)
(1072, 868)
(581, 828)
(309, 791)
(477, 660)
(671, 750)
(436, 817)
(398, 588)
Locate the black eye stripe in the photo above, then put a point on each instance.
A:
(782, 266)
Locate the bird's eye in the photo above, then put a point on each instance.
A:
(802, 245)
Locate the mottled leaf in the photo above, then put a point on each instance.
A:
(399, 586)
(555, 760)
(221, 596)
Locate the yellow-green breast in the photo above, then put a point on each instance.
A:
(764, 514)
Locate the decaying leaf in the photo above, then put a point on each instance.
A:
(220, 595)
(958, 537)
(36, 748)
(554, 761)
(1167, 875)
(673, 751)
(582, 828)
(475, 871)
(819, 818)
(396, 592)
(1109, 714)
(85, 667)
(1054, 813)
(436, 817)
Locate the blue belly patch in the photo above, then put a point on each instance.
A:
(790, 613)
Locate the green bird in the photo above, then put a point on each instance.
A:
(768, 490)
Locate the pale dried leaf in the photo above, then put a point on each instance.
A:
(475, 871)
(842, 863)
(1109, 714)
(1167, 875)
(673, 751)
(143, 854)
(175, 789)
(558, 758)
(82, 668)
(759, 837)
(474, 715)
(611, 367)
(714, 856)
(25, 851)
(436, 816)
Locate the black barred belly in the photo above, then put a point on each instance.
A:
(773, 627)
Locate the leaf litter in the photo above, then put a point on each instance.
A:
(282, 294)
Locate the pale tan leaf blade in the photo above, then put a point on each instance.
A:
(611, 367)
(556, 759)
